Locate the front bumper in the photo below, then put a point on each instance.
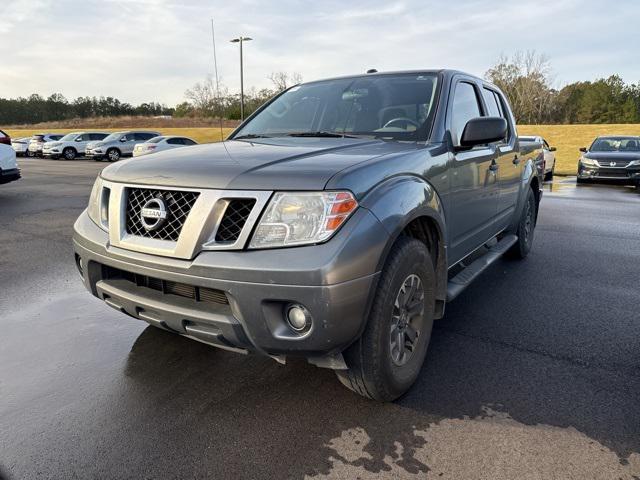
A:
(628, 175)
(10, 175)
(94, 155)
(333, 281)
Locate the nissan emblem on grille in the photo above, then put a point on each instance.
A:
(153, 214)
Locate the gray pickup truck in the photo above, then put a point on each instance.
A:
(334, 224)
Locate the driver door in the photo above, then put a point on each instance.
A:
(474, 186)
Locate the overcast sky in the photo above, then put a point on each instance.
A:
(144, 50)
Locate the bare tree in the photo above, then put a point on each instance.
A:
(283, 80)
(526, 79)
(206, 99)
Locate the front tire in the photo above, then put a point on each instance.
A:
(386, 360)
(526, 227)
(113, 154)
(69, 153)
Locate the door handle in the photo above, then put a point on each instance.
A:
(516, 160)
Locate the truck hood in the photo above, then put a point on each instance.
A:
(267, 164)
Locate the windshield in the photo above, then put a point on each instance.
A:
(113, 136)
(70, 137)
(616, 144)
(397, 106)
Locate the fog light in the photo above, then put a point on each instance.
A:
(80, 265)
(299, 318)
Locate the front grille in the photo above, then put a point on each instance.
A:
(234, 218)
(178, 206)
(198, 294)
(618, 163)
(602, 172)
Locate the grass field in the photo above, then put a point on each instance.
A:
(567, 138)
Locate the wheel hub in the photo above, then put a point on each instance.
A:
(406, 320)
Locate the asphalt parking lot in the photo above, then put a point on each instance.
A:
(533, 373)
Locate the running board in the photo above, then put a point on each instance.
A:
(462, 280)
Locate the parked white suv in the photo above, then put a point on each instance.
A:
(71, 145)
(9, 170)
(118, 145)
(160, 143)
(20, 146)
(38, 140)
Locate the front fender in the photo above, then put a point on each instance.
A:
(399, 201)
(529, 180)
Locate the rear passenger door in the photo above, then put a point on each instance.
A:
(474, 184)
(508, 158)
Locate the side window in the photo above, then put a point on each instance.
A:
(82, 138)
(493, 110)
(188, 141)
(175, 141)
(546, 145)
(97, 136)
(503, 113)
(465, 107)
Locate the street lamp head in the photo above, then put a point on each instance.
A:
(235, 40)
(241, 39)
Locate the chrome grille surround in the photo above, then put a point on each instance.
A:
(199, 226)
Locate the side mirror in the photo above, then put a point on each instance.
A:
(552, 149)
(482, 130)
(123, 139)
(583, 149)
(78, 139)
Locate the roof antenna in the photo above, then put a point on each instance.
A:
(372, 70)
(215, 68)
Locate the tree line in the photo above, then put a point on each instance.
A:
(526, 78)
(36, 109)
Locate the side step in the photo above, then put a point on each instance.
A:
(462, 280)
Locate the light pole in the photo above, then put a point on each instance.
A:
(240, 40)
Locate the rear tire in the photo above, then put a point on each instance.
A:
(386, 360)
(526, 228)
(549, 175)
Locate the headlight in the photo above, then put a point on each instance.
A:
(634, 163)
(589, 162)
(302, 218)
(98, 208)
(54, 144)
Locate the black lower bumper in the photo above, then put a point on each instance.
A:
(625, 176)
(11, 175)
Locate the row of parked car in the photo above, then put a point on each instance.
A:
(97, 145)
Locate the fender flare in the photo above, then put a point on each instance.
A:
(396, 203)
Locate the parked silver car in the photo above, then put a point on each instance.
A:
(118, 145)
(71, 145)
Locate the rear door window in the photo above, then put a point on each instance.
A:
(97, 136)
(175, 141)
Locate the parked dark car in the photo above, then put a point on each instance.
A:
(611, 159)
(334, 224)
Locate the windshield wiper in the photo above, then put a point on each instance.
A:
(250, 135)
(320, 134)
